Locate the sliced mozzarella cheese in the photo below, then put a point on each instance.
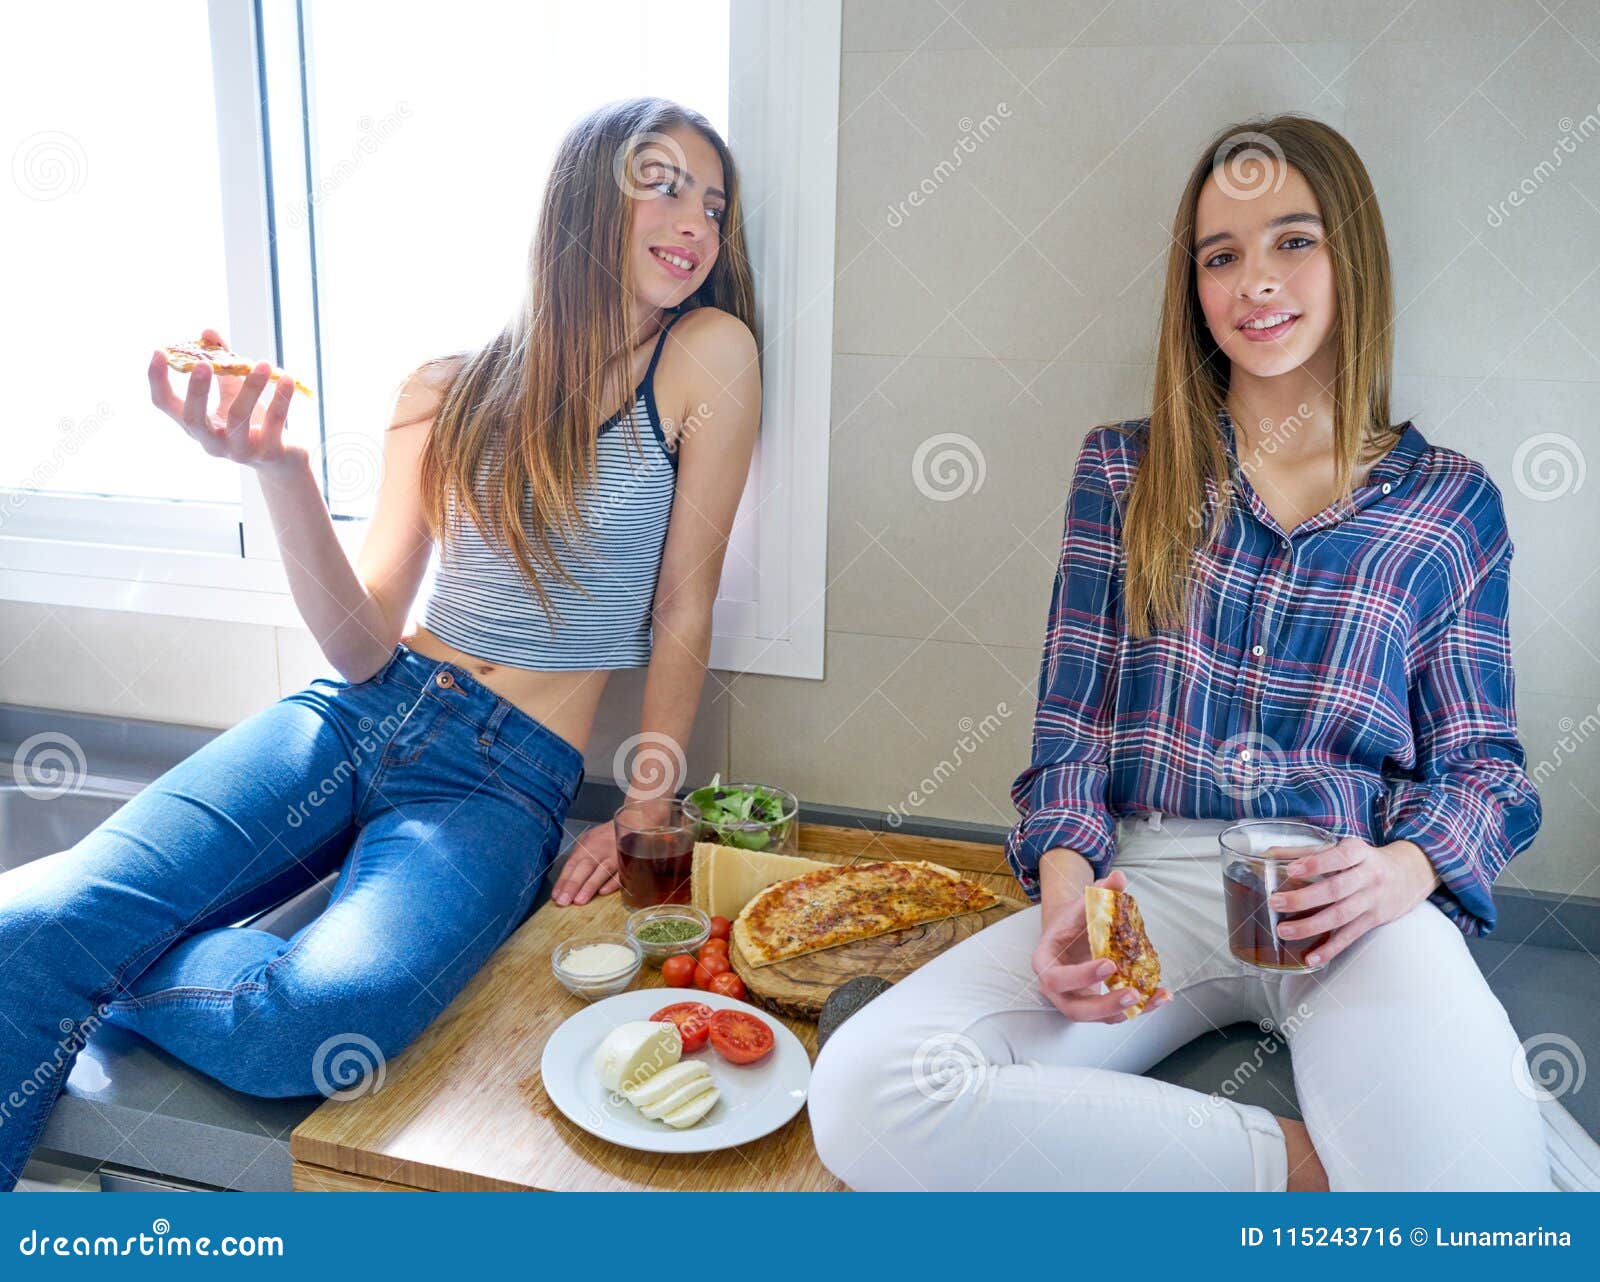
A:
(686, 1115)
(658, 1086)
(635, 1051)
(688, 1091)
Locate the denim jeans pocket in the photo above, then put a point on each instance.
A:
(543, 785)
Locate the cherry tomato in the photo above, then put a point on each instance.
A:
(721, 928)
(713, 946)
(708, 968)
(728, 984)
(678, 972)
(693, 1020)
(739, 1037)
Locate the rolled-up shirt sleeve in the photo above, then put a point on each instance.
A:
(1061, 796)
(1472, 806)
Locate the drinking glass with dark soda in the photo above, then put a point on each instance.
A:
(1256, 854)
(655, 852)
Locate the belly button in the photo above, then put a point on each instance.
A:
(485, 671)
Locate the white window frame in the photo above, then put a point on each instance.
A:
(220, 560)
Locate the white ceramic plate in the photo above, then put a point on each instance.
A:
(756, 1098)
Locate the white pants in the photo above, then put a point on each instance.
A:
(962, 1076)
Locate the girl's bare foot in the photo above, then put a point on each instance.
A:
(1305, 1167)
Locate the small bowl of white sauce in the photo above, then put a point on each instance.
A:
(596, 966)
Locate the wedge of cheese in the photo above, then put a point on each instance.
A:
(723, 879)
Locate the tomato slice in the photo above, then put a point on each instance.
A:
(739, 1037)
(693, 1020)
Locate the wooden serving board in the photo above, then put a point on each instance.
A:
(798, 987)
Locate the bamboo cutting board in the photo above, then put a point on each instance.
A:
(463, 1106)
(798, 987)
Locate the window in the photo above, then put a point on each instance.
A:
(375, 177)
(430, 146)
(96, 168)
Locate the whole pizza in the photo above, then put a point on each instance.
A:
(842, 904)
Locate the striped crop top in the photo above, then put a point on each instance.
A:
(481, 604)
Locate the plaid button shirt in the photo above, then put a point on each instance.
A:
(1354, 673)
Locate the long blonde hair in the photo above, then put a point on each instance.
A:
(1161, 527)
(563, 365)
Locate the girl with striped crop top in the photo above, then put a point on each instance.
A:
(579, 474)
(594, 535)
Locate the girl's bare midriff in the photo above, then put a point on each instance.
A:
(563, 702)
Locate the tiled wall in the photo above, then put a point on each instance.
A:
(1014, 306)
(202, 673)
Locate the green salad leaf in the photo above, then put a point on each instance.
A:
(745, 816)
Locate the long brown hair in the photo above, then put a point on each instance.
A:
(1162, 525)
(563, 365)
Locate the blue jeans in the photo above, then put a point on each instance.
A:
(443, 802)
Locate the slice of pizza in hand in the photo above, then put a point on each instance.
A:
(1116, 930)
(183, 357)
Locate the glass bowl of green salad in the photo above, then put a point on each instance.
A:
(747, 816)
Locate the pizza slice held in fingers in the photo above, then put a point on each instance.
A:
(183, 357)
(1116, 931)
